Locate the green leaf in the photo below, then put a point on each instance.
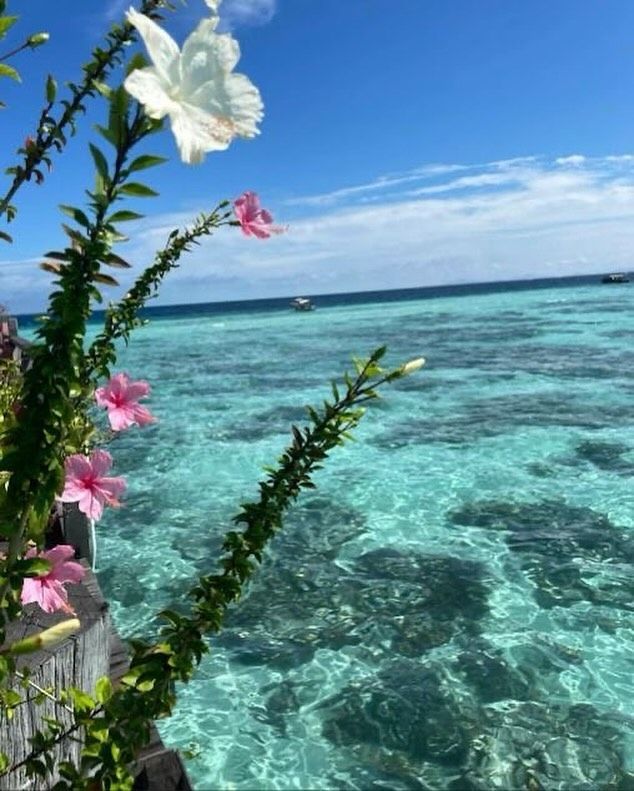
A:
(6, 23)
(33, 567)
(52, 267)
(104, 89)
(75, 236)
(103, 689)
(77, 215)
(138, 190)
(123, 216)
(117, 118)
(81, 700)
(9, 71)
(112, 259)
(146, 161)
(107, 134)
(56, 255)
(101, 163)
(105, 279)
(5, 237)
(137, 61)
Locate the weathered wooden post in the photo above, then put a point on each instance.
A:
(78, 662)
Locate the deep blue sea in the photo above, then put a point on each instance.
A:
(452, 608)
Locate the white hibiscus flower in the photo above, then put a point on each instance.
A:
(208, 105)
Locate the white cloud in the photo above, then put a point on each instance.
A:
(380, 184)
(425, 173)
(574, 160)
(235, 13)
(528, 217)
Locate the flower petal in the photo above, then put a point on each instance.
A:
(197, 132)
(54, 597)
(64, 569)
(160, 45)
(109, 489)
(100, 461)
(120, 418)
(138, 389)
(142, 416)
(73, 491)
(59, 554)
(235, 98)
(77, 466)
(207, 56)
(91, 505)
(102, 396)
(70, 571)
(148, 89)
(31, 590)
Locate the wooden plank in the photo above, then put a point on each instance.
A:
(78, 662)
(97, 650)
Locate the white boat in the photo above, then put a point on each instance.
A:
(302, 303)
(618, 277)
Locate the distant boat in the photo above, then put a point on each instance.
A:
(302, 303)
(618, 277)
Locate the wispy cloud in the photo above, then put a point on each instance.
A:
(528, 217)
(236, 13)
(574, 160)
(426, 173)
(233, 13)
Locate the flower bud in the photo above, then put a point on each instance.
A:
(37, 39)
(412, 365)
(46, 639)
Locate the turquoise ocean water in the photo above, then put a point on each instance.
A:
(452, 608)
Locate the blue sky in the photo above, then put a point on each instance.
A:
(405, 143)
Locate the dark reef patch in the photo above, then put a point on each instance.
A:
(561, 547)
(389, 601)
(541, 470)
(255, 427)
(503, 415)
(549, 747)
(402, 708)
(606, 456)
(491, 676)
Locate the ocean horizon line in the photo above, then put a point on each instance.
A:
(335, 298)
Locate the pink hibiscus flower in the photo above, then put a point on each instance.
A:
(120, 397)
(254, 220)
(87, 485)
(48, 589)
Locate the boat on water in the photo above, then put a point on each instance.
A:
(617, 277)
(302, 303)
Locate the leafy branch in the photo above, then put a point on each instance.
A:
(116, 722)
(48, 426)
(123, 317)
(52, 132)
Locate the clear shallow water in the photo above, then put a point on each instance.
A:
(453, 607)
